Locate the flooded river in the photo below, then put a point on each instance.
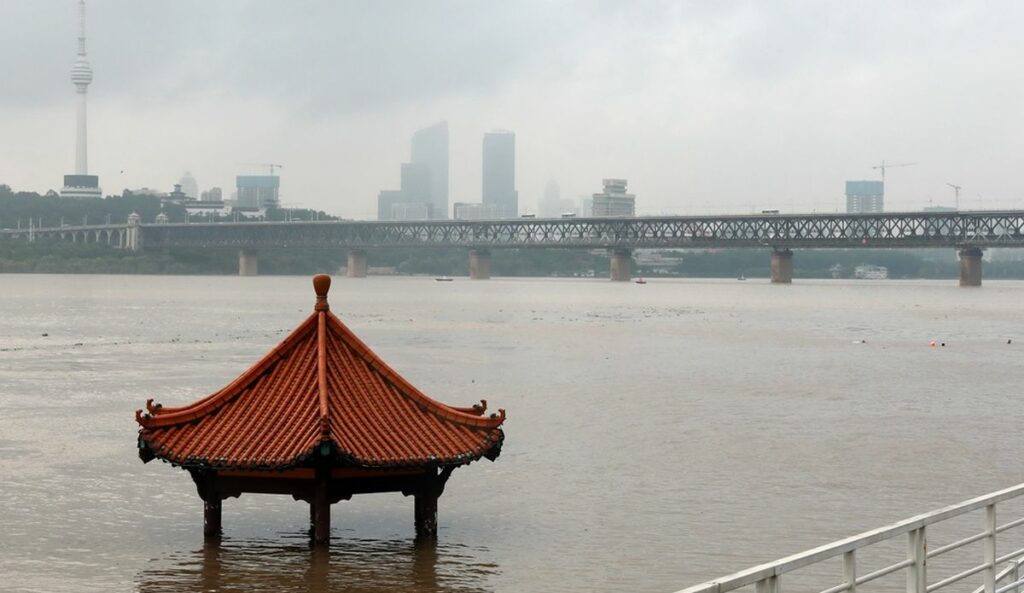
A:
(657, 435)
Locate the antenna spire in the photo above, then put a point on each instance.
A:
(81, 27)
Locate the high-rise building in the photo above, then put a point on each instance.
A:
(416, 183)
(189, 185)
(499, 173)
(430, 149)
(865, 196)
(424, 186)
(387, 199)
(614, 201)
(258, 191)
(81, 184)
(552, 205)
(586, 208)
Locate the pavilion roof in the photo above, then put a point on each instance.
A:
(320, 390)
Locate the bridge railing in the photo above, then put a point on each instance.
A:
(997, 573)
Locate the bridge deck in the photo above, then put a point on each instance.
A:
(906, 230)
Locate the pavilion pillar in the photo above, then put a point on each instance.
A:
(621, 265)
(970, 266)
(426, 514)
(211, 517)
(479, 264)
(321, 508)
(248, 264)
(356, 264)
(782, 266)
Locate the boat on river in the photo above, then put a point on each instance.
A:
(868, 272)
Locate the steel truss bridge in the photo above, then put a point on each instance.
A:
(969, 231)
(899, 230)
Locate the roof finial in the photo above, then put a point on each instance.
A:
(321, 284)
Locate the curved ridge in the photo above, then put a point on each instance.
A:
(475, 409)
(408, 389)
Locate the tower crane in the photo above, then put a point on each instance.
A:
(271, 165)
(956, 193)
(884, 166)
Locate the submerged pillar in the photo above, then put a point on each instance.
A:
(426, 515)
(621, 265)
(248, 264)
(479, 265)
(970, 266)
(321, 508)
(782, 266)
(211, 517)
(356, 264)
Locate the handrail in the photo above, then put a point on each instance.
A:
(914, 526)
(1012, 569)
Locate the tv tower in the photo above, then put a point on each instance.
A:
(81, 184)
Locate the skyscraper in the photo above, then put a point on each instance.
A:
(430, 149)
(553, 205)
(424, 189)
(189, 185)
(499, 173)
(417, 184)
(81, 184)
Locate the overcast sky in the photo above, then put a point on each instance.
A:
(708, 106)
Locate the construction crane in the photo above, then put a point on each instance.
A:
(271, 165)
(956, 193)
(883, 167)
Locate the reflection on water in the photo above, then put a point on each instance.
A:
(290, 564)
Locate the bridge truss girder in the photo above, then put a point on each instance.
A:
(897, 230)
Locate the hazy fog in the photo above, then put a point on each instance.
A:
(710, 106)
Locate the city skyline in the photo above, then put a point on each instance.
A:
(736, 108)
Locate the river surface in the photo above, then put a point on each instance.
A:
(658, 435)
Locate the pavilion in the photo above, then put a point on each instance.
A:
(321, 417)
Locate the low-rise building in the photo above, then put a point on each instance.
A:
(476, 211)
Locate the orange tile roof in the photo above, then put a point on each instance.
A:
(320, 387)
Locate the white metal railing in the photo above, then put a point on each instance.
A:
(767, 578)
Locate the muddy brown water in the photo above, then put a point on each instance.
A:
(657, 435)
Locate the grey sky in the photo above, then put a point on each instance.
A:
(704, 107)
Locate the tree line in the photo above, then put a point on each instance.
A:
(17, 209)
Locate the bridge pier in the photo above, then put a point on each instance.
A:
(782, 266)
(356, 264)
(621, 265)
(248, 264)
(479, 264)
(970, 266)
